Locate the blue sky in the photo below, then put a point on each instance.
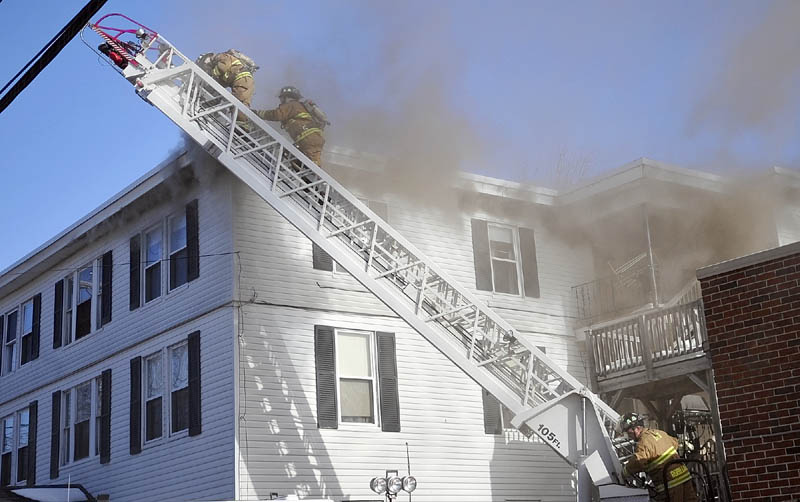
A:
(502, 88)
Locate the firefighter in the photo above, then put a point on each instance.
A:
(234, 70)
(298, 121)
(654, 448)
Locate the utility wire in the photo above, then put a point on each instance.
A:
(49, 52)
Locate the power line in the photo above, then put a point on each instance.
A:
(49, 52)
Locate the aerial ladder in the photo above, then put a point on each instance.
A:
(544, 399)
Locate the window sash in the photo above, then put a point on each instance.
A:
(153, 254)
(78, 438)
(153, 392)
(500, 264)
(10, 346)
(370, 380)
(81, 314)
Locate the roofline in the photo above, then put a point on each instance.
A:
(116, 202)
(749, 260)
(640, 169)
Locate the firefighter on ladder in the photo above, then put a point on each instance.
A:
(235, 70)
(298, 122)
(654, 448)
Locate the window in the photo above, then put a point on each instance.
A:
(22, 445)
(79, 410)
(174, 241)
(505, 259)
(14, 445)
(354, 365)
(82, 301)
(166, 400)
(503, 252)
(154, 389)
(27, 331)
(10, 346)
(178, 252)
(152, 264)
(356, 378)
(7, 458)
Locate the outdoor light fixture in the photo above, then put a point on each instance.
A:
(378, 485)
(392, 484)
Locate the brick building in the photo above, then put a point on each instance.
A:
(752, 309)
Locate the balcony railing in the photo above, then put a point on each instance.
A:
(613, 295)
(639, 342)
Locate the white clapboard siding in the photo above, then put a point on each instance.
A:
(281, 449)
(180, 468)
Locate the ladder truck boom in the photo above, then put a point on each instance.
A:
(544, 399)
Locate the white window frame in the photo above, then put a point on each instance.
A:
(517, 261)
(166, 394)
(161, 291)
(17, 444)
(22, 329)
(373, 377)
(13, 443)
(69, 316)
(169, 351)
(145, 398)
(11, 361)
(171, 253)
(69, 408)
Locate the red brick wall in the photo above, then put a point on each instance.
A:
(753, 320)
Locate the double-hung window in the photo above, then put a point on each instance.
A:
(165, 393)
(172, 243)
(505, 259)
(82, 301)
(504, 252)
(10, 342)
(26, 338)
(355, 368)
(153, 248)
(178, 252)
(79, 410)
(175, 380)
(7, 452)
(356, 378)
(14, 440)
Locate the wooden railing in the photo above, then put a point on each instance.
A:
(612, 295)
(638, 342)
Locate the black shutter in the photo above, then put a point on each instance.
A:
(325, 352)
(37, 325)
(530, 272)
(322, 260)
(105, 418)
(58, 313)
(33, 425)
(480, 254)
(55, 434)
(387, 378)
(195, 408)
(136, 405)
(492, 422)
(192, 241)
(105, 299)
(136, 276)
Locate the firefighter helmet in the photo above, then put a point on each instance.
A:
(631, 420)
(290, 91)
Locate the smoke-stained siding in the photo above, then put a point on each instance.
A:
(441, 417)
